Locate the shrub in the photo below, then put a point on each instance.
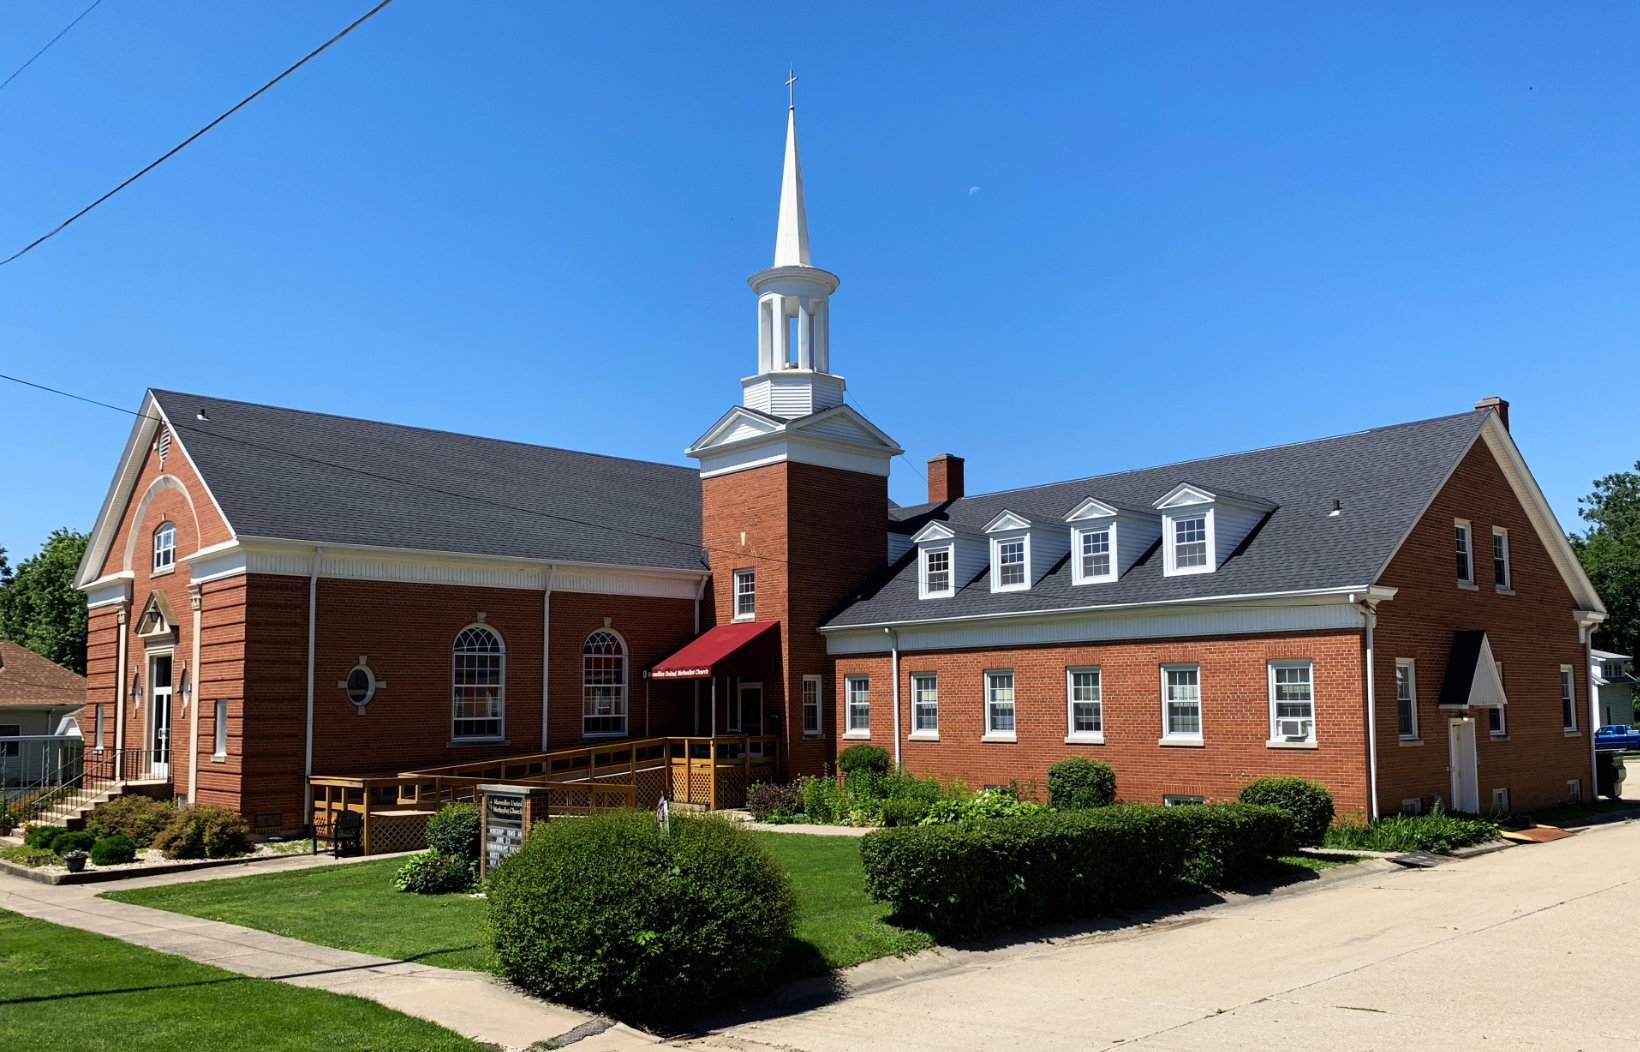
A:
(615, 914)
(964, 881)
(901, 812)
(142, 818)
(72, 840)
(775, 800)
(41, 836)
(983, 806)
(456, 831)
(867, 759)
(822, 800)
(204, 831)
(1310, 804)
(1078, 782)
(113, 850)
(435, 873)
(1439, 831)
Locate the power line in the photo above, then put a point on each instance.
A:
(50, 42)
(693, 545)
(178, 147)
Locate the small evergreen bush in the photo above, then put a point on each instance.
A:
(1078, 782)
(113, 850)
(872, 760)
(142, 818)
(775, 800)
(72, 840)
(615, 914)
(204, 831)
(41, 836)
(455, 831)
(435, 873)
(1310, 804)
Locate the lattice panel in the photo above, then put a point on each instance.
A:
(731, 787)
(651, 786)
(396, 833)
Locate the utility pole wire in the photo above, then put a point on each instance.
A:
(178, 147)
(50, 42)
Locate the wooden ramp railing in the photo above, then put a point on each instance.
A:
(714, 773)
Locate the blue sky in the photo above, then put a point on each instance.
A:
(1198, 228)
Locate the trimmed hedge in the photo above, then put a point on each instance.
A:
(613, 913)
(869, 759)
(1309, 802)
(966, 882)
(72, 840)
(113, 851)
(41, 836)
(455, 831)
(1078, 782)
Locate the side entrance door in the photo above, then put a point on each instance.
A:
(1465, 763)
(160, 742)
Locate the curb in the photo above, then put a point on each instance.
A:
(98, 876)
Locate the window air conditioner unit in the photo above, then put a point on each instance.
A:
(1294, 730)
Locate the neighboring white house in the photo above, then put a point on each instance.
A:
(1615, 685)
(37, 698)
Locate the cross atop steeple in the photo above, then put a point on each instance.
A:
(791, 87)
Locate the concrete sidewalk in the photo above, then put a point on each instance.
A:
(470, 1003)
(1517, 949)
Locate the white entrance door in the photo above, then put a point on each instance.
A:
(1466, 794)
(160, 716)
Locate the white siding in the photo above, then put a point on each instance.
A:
(1230, 527)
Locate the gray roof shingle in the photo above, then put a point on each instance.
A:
(323, 479)
(1383, 478)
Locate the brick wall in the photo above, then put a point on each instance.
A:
(1531, 632)
(1235, 714)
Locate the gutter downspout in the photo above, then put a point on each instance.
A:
(546, 647)
(124, 616)
(700, 590)
(313, 626)
(894, 661)
(1587, 632)
(1369, 617)
(196, 599)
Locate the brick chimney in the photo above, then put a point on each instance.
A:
(944, 478)
(1494, 402)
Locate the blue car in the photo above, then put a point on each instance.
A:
(1616, 736)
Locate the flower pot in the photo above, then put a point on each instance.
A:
(75, 863)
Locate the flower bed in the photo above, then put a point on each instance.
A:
(45, 866)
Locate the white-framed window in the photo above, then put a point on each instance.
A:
(1182, 702)
(936, 572)
(603, 684)
(1406, 698)
(1500, 559)
(999, 702)
(1181, 799)
(99, 745)
(811, 706)
(1095, 554)
(925, 703)
(745, 595)
(1568, 698)
(1292, 701)
(219, 725)
(858, 690)
(1188, 543)
(1465, 551)
(1084, 701)
(1011, 559)
(479, 683)
(165, 546)
(1494, 716)
(360, 684)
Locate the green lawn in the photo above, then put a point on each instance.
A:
(355, 907)
(69, 989)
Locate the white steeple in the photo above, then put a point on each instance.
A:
(793, 374)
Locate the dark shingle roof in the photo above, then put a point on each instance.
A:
(1383, 478)
(326, 479)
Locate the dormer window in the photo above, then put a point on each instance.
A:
(1094, 547)
(1106, 540)
(936, 572)
(1011, 564)
(1190, 543)
(165, 547)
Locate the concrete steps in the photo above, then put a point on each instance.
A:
(72, 814)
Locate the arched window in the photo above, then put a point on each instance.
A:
(603, 684)
(480, 674)
(165, 546)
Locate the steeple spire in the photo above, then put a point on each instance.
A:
(791, 240)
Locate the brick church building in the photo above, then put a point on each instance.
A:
(276, 594)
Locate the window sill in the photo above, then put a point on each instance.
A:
(1094, 580)
(1283, 743)
(744, 617)
(1499, 737)
(219, 758)
(1572, 732)
(1405, 742)
(858, 736)
(168, 571)
(457, 742)
(923, 736)
(936, 595)
(1181, 743)
(1084, 739)
(813, 736)
(1011, 588)
(600, 735)
(1505, 590)
(1469, 586)
(1004, 738)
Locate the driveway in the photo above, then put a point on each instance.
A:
(1516, 949)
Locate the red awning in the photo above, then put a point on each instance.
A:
(700, 659)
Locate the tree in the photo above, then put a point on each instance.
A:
(39, 605)
(1610, 553)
